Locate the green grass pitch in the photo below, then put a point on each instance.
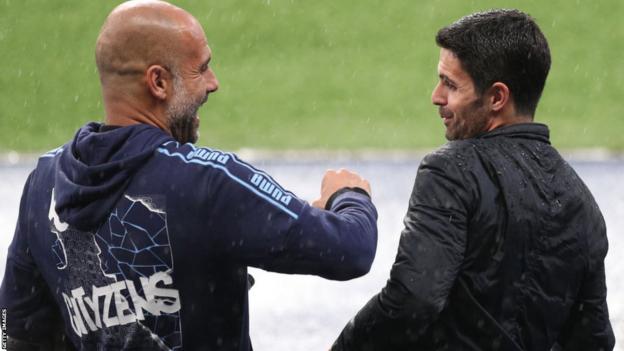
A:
(298, 74)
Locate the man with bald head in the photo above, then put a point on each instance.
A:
(130, 237)
(153, 62)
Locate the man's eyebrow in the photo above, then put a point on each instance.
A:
(446, 78)
(205, 63)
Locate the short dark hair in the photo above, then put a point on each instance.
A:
(501, 46)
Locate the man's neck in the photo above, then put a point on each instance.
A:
(125, 115)
(506, 120)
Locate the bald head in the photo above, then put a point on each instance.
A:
(153, 61)
(138, 34)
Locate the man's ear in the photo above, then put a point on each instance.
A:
(499, 96)
(158, 80)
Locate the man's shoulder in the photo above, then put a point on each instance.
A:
(46, 161)
(455, 147)
(461, 153)
(189, 154)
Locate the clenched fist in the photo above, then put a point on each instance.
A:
(336, 180)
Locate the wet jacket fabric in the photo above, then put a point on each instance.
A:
(503, 249)
(131, 241)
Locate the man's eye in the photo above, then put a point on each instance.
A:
(449, 85)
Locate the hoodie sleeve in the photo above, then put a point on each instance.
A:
(431, 250)
(252, 220)
(31, 313)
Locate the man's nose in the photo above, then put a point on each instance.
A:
(437, 97)
(213, 82)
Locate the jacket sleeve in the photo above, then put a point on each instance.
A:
(31, 314)
(251, 220)
(588, 326)
(430, 252)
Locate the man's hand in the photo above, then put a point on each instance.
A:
(336, 180)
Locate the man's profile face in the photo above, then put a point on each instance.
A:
(460, 107)
(182, 112)
(193, 81)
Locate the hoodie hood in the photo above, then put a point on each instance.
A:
(95, 168)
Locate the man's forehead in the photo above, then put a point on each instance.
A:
(450, 65)
(194, 39)
(207, 53)
(448, 59)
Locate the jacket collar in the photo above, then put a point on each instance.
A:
(536, 131)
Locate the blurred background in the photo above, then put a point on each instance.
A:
(321, 74)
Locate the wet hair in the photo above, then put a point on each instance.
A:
(501, 46)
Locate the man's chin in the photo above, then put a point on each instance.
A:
(449, 135)
(195, 133)
(188, 139)
(194, 137)
(185, 130)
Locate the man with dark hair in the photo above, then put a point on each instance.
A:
(130, 237)
(503, 246)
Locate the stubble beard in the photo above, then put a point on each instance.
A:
(467, 123)
(182, 114)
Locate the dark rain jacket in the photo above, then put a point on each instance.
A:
(128, 240)
(503, 249)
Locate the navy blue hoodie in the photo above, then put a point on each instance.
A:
(136, 242)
